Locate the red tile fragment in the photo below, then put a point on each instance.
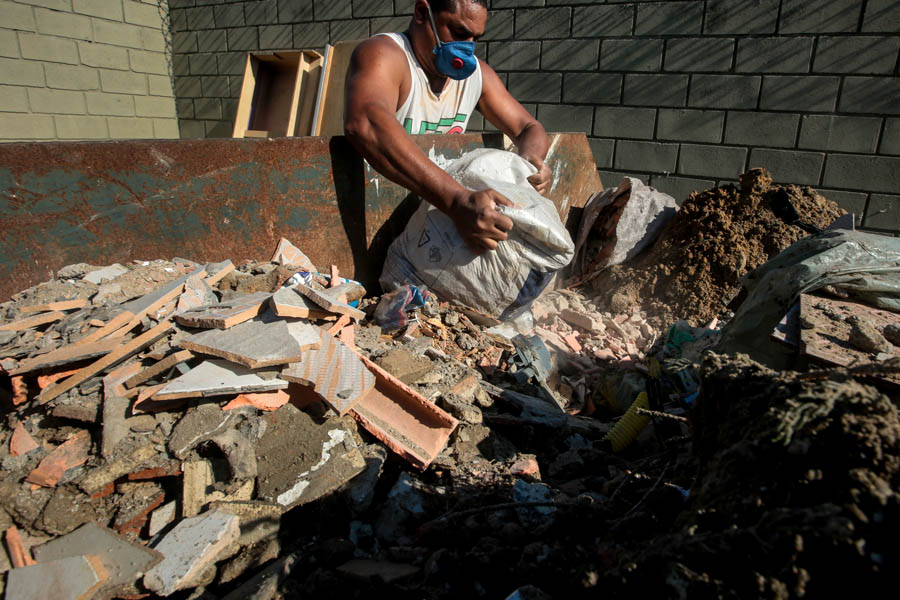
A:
(348, 336)
(572, 341)
(19, 556)
(339, 325)
(105, 491)
(173, 469)
(335, 279)
(21, 441)
(46, 380)
(68, 455)
(20, 389)
(262, 401)
(136, 524)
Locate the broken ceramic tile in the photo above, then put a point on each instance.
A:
(217, 378)
(190, 547)
(334, 371)
(258, 343)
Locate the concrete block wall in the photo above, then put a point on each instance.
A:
(684, 94)
(85, 70)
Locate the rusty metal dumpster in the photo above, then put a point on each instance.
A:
(104, 202)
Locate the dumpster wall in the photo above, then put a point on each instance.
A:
(683, 95)
(85, 70)
(209, 200)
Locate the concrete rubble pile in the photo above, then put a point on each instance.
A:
(165, 418)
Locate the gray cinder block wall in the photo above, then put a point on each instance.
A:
(85, 69)
(682, 94)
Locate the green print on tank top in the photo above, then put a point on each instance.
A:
(427, 126)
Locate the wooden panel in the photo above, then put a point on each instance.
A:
(310, 71)
(242, 118)
(330, 113)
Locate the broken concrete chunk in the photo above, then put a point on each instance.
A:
(69, 509)
(300, 461)
(361, 490)
(257, 343)
(865, 336)
(533, 517)
(224, 315)
(72, 578)
(102, 476)
(105, 274)
(405, 366)
(264, 585)
(259, 520)
(580, 320)
(217, 378)
(197, 482)
(197, 294)
(288, 302)
(287, 254)
(330, 304)
(115, 407)
(234, 432)
(161, 517)
(123, 561)
(139, 499)
(334, 371)
(377, 570)
(192, 546)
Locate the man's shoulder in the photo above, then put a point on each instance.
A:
(379, 47)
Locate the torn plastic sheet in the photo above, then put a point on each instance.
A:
(865, 265)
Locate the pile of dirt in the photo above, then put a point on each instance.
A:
(693, 271)
(795, 491)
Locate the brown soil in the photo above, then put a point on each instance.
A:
(692, 272)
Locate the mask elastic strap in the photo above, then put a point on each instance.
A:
(433, 26)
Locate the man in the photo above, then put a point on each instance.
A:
(427, 79)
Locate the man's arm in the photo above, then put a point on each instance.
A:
(510, 117)
(372, 91)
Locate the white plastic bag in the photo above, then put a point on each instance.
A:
(431, 252)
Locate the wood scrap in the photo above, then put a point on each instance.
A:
(62, 305)
(123, 352)
(159, 368)
(35, 321)
(66, 355)
(335, 279)
(113, 326)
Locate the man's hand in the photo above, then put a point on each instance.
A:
(479, 223)
(540, 180)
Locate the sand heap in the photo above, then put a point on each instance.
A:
(693, 271)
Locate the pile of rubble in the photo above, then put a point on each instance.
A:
(190, 407)
(206, 430)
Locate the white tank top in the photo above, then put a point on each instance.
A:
(425, 112)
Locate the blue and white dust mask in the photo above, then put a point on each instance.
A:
(456, 60)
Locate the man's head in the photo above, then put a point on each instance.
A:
(439, 6)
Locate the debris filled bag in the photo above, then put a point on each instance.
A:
(430, 251)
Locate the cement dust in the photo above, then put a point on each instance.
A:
(693, 270)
